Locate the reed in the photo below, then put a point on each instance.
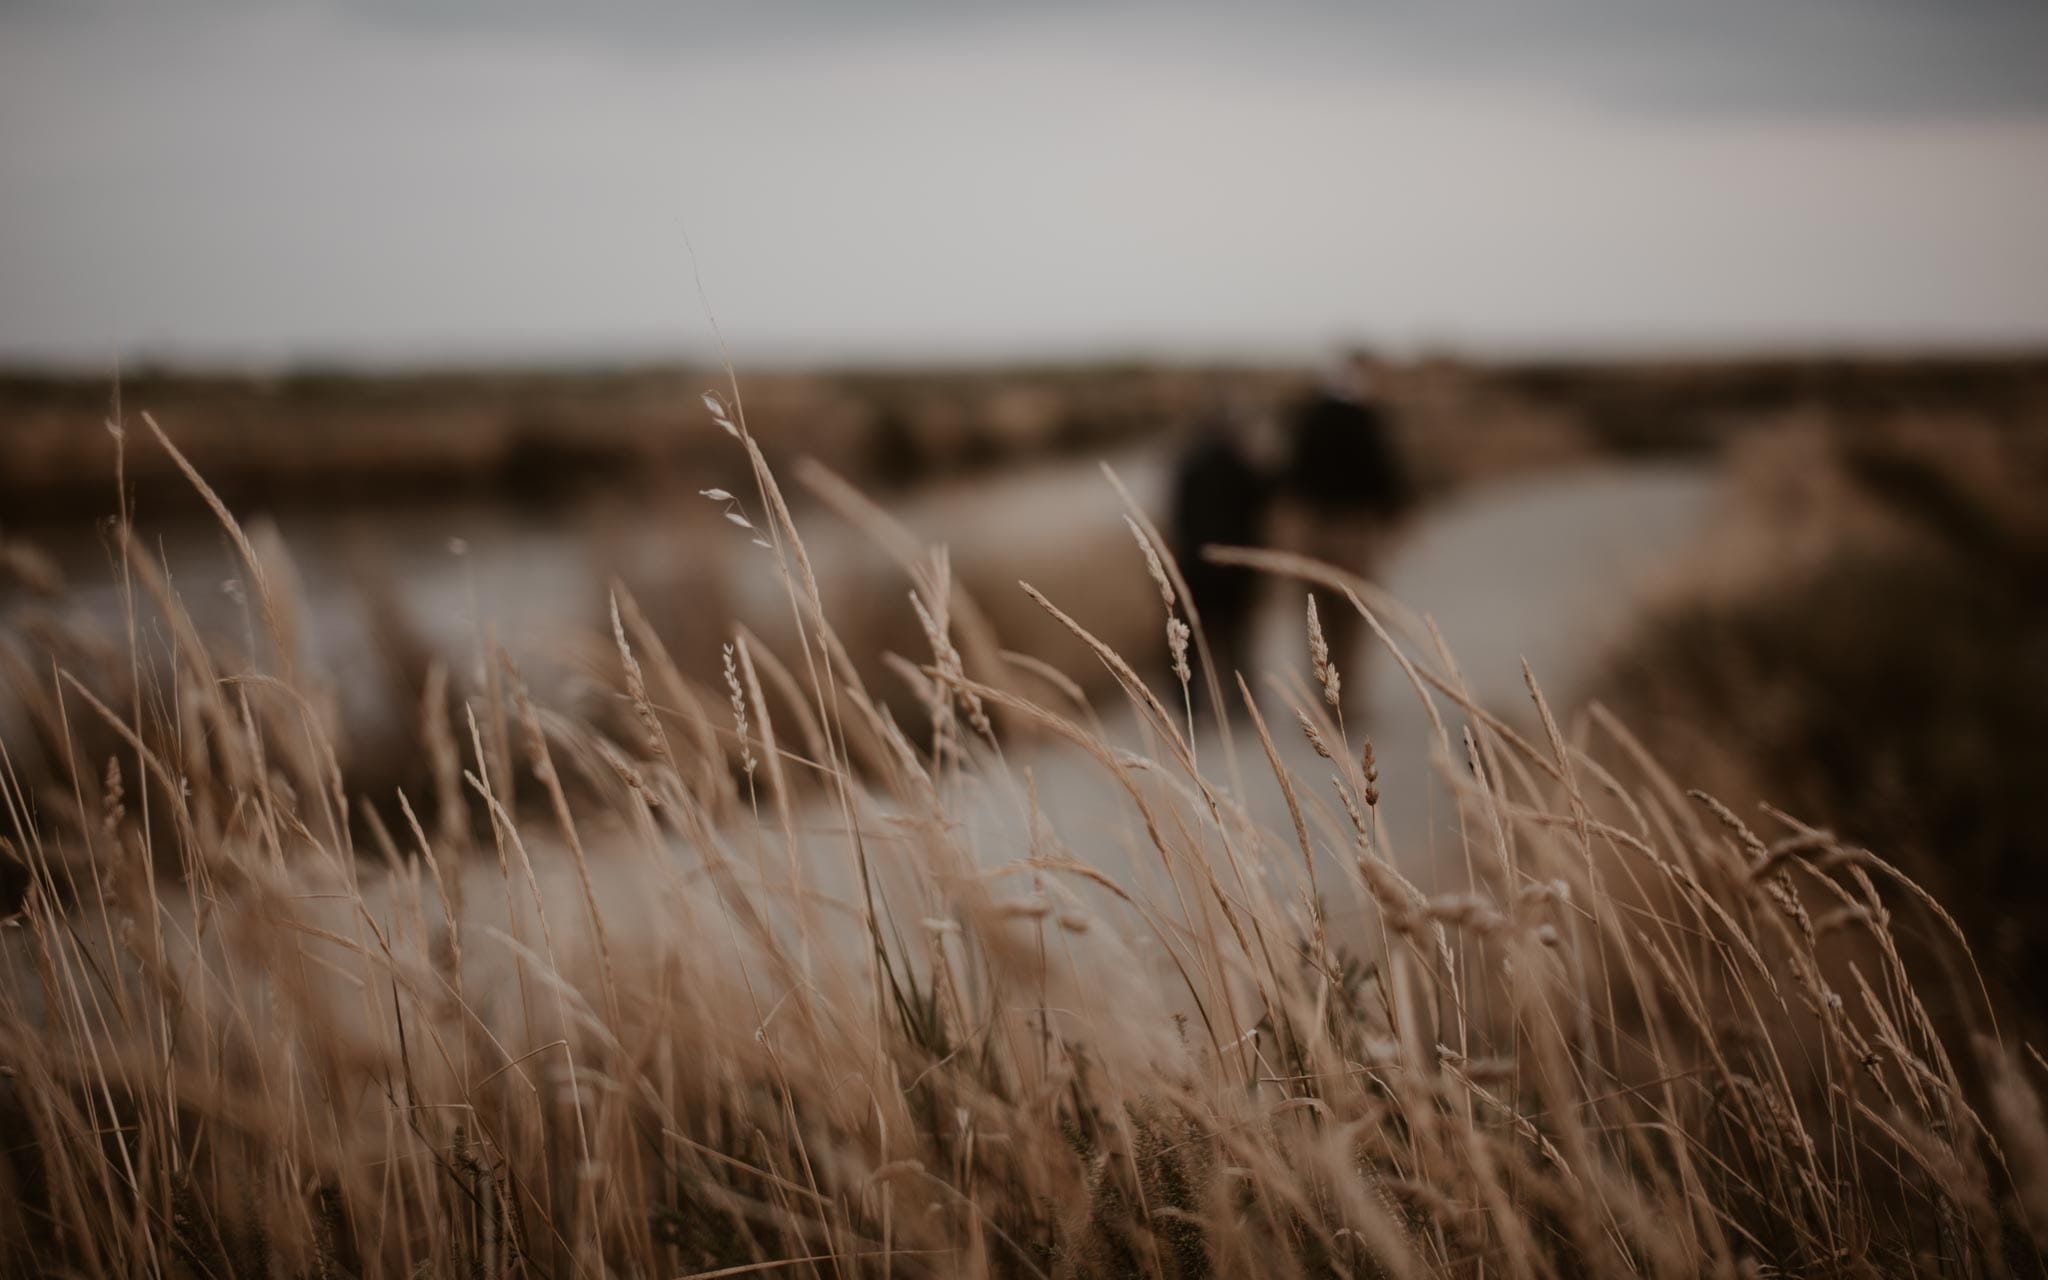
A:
(710, 988)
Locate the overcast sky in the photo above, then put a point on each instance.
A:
(426, 179)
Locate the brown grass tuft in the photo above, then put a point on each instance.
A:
(639, 1025)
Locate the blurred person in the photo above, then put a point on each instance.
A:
(1221, 495)
(1345, 484)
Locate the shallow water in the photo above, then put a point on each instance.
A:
(537, 581)
(1545, 568)
(1550, 570)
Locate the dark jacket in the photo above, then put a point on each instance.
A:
(1219, 496)
(1344, 459)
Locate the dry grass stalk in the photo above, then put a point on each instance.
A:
(580, 1026)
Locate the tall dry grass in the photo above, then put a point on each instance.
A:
(705, 990)
(1861, 640)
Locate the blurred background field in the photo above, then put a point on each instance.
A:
(316, 440)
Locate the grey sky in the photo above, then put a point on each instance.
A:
(372, 178)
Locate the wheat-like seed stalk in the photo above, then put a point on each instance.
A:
(1313, 734)
(739, 710)
(1320, 666)
(932, 617)
(1178, 634)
